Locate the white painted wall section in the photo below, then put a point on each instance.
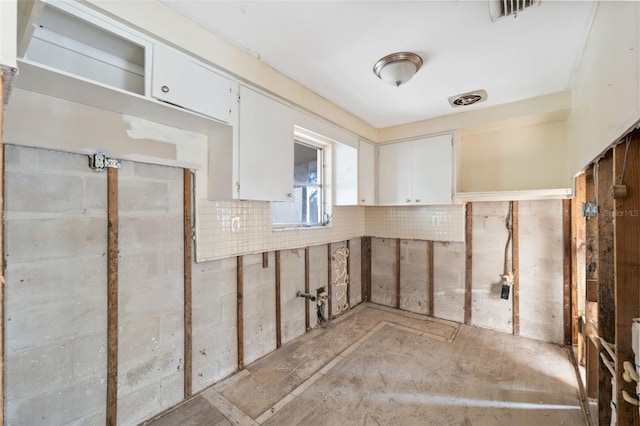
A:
(606, 87)
(8, 32)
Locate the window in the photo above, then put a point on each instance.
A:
(308, 206)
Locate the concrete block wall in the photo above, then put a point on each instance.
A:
(291, 281)
(541, 270)
(540, 273)
(55, 292)
(150, 290)
(383, 271)
(259, 313)
(214, 319)
(489, 239)
(414, 270)
(449, 281)
(56, 288)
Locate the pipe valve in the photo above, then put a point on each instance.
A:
(306, 296)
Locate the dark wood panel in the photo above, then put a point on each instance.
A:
(605, 286)
(627, 280)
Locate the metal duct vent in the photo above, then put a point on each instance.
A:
(502, 8)
(469, 98)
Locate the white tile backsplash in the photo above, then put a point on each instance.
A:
(216, 239)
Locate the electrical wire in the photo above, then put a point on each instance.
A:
(626, 156)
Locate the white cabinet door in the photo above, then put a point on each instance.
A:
(346, 175)
(432, 170)
(182, 80)
(265, 148)
(394, 174)
(366, 173)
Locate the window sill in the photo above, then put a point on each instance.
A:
(298, 228)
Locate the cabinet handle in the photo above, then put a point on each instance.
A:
(417, 200)
(408, 200)
(363, 200)
(289, 194)
(165, 89)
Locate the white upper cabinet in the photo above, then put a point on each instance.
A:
(181, 80)
(366, 173)
(394, 174)
(265, 148)
(433, 170)
(346, 175)
(417, 172)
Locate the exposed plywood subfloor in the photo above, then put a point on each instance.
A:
(380, 366)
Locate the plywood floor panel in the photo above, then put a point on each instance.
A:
(377, 365)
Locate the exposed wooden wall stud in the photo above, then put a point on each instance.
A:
(364, 261)
(606, 279)
(240, 312)
(398, 285)
(278, 307)
(112, 297)
(468, 262)
(591, 307)
(627, 280)
(430, 280)
(307, 322)
(329, 279)
(187, 246)
(566, 268)
(515, 266)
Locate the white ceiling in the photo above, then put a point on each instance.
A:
(331, 47)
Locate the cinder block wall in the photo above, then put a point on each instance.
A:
(541, 270)
(540, 275)
(489, 240)
(449, 280)
(56, 305)
(215, 338)
(292, 307)
(150, 290)
(56, 289)
(56, 332)
(414, 271)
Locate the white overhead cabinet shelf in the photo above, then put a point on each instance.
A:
(71, 40)
(417, 172)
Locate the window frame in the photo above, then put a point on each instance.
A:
(324, 146)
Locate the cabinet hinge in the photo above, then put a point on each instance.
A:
(238, 187)
(99, 162)
(238, 98)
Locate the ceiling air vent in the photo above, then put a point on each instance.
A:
(469, 98)
(502, 8)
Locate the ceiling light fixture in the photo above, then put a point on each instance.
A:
(397, 68)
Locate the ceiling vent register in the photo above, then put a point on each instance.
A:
(502, 8)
